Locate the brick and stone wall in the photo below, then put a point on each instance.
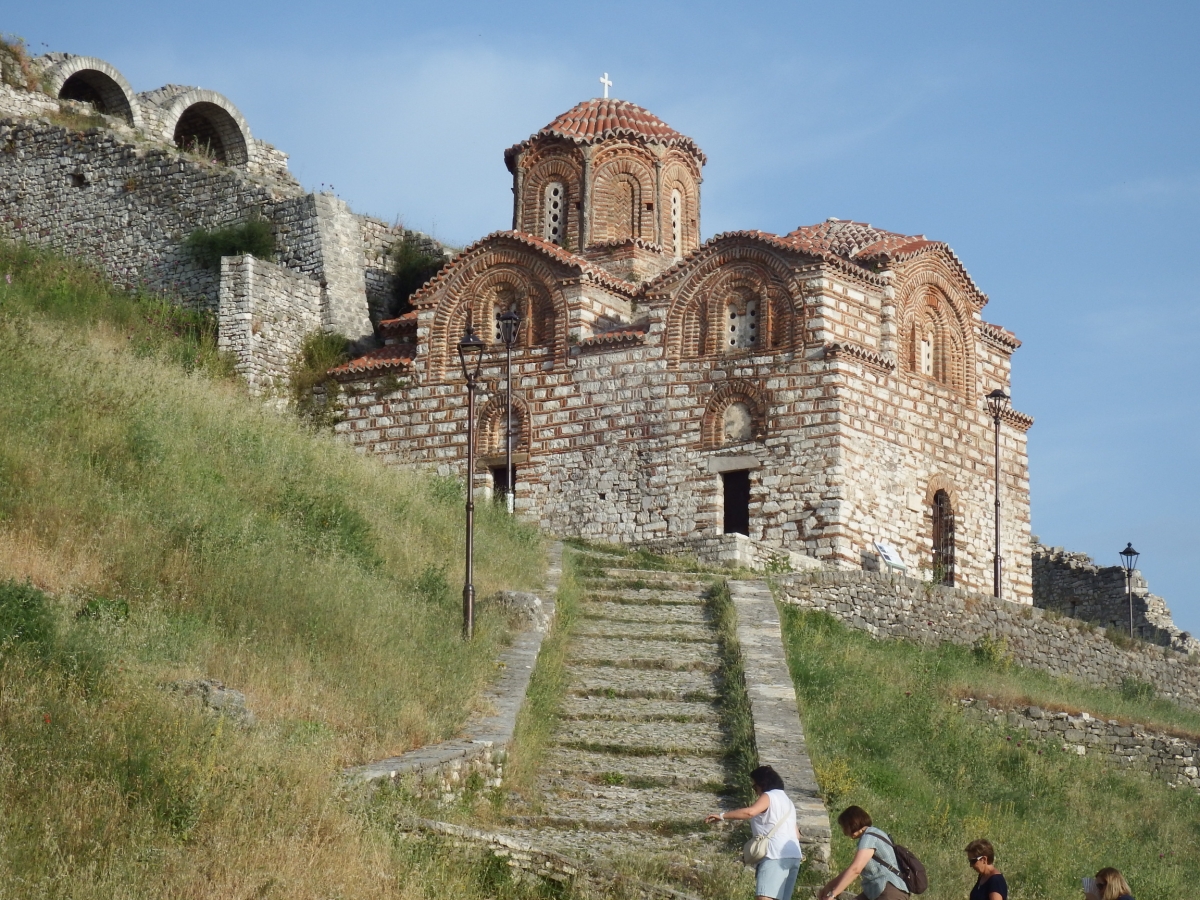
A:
(1073, 585)
(892, 606)
(1167, 756)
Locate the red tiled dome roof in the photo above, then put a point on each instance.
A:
(603, 119)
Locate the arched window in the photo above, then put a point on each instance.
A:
(741, 316)
(505, 301)
(925, 354)
(677, 223)
(624, 208)
(943, 539)
(554, 212)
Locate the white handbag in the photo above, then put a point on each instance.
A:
(754, 850)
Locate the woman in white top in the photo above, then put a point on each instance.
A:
(775, 876)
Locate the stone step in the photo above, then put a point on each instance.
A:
(692, 849)
(665, 770)
(610, 681)
(635, 710)
(667, 613)
(653, 631)
(622, 651)
(645, 597)
(692, 580)
(602, 807)
(641, 738)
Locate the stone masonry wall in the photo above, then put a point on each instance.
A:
(266, 311)
(1167, 756)
(892, 606)
(1073, 585)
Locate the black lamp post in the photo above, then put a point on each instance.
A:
(470, 354)
(997, 403)
(510, 327)
(1129, 558)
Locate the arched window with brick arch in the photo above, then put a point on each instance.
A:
(623, 198)
(932, 335)
(736, 413)
(742, 321)
(492, 429)
(554, 212)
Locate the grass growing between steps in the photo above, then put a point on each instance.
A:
(736, 718)
(169, 528)
(885, 734)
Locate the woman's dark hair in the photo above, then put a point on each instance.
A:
(766, 779)
(853, 818)
(983, 848)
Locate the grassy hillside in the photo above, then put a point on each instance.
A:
(884, 733)
(155, 525)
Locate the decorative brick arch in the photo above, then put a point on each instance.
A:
(930, 303)
(679, 176)
(472, 290)
(696, 317)
(622, 185)
(941, 483)
(559, 165)
(713, 422)
(204, 120)
(94, 81)
(491, 432)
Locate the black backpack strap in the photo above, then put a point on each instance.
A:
(895, 871)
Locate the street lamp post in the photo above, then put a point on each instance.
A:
(1129, 558)
(997, 403)
(510, 327)
(470, 354)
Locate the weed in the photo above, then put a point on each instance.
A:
(254, 237)
(1136, 690)
(104, 609)
(736, 719)
(25, 618)
(994, 652)
(412, 266)
(314, 392)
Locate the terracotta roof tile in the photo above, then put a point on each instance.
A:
(381, 359)
(588, 271)
(593, 121)
(627, 333)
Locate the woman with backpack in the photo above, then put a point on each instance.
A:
(874, 860)
(773, 823)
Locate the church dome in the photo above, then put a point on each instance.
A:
(602, 119)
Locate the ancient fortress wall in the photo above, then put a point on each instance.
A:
(1073, 585)
(888, 606)
(121, 179)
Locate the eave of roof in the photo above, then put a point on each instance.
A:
(587, 271)
(381, 360)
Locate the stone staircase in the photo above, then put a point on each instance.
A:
(638, 755)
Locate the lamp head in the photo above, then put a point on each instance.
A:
(470, 353)
(510, 326)
(1129, 557)
(997, 402)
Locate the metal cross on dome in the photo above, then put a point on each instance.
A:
(607, 84)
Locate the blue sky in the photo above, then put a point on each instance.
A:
(1056, 147)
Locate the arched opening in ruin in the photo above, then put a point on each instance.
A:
(100, 90)
(208, 130)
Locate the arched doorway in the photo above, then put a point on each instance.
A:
(943, 539)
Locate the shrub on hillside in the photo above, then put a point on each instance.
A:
(254, 237)
(413, 265)
(24, 617)
(320, 352)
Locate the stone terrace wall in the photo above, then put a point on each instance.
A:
(1072, 584)
(890, 606)
(1174, 759)
(266, 312)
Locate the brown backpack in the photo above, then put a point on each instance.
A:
(910, 869)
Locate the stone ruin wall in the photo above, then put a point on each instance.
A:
(1073, 585)
(892, 606)
(122, 197)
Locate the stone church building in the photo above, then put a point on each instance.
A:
(817, 392)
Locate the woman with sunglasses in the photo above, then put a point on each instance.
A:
(990, 885)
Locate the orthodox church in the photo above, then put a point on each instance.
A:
(819, 393)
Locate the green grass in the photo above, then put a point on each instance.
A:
(885, 733)
(255, 237)
(155, 525)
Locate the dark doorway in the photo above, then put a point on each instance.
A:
(943, 539)
(737, 502)
(500, 482)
